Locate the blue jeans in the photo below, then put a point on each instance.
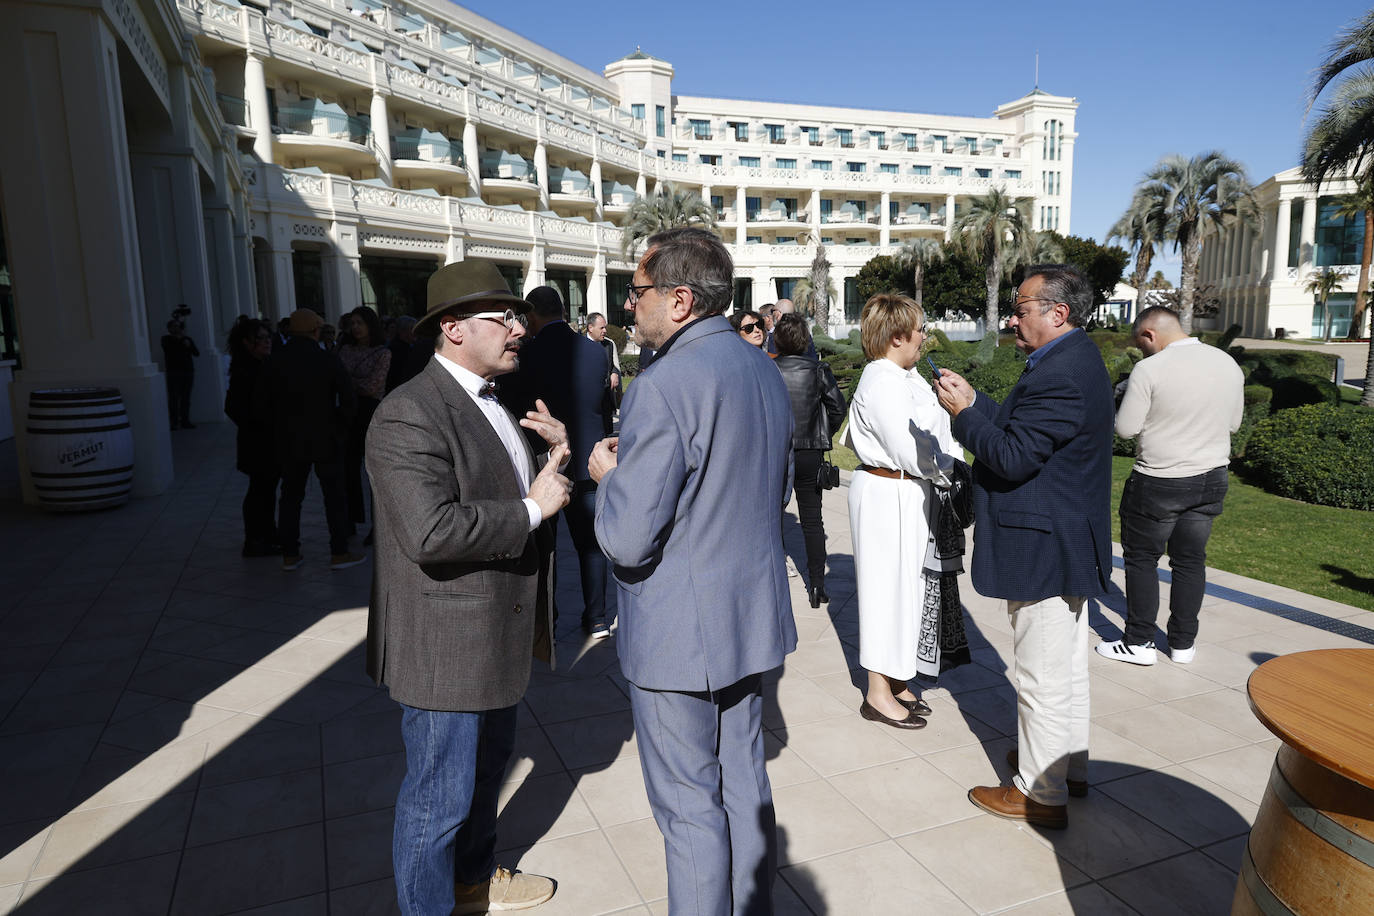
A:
(446, 810)
(1173, 513)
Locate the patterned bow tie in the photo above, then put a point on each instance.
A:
(488, 390)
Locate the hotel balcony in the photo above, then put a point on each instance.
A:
(325, 135)
(428, 156)
(570, 189)
(510, 173)
(616, 197)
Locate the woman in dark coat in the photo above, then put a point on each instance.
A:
(817, 411)
(250, 343)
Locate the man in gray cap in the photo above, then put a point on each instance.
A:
(461, 589)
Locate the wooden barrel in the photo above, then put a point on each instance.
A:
(80, 447)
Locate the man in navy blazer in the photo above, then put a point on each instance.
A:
(1042, 541)
(696, 481)
(570, 373)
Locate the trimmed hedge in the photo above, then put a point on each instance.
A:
(1318, 453)
(1257, 400)
(1300, 390)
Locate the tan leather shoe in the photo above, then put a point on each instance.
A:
(504, 890)
(1011, 803)
(1078, 788)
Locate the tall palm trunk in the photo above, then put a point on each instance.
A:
(1362, 287)
(1143, 258)
(1188, 283)
(1367, 399)
(917, 282)
(992, 275)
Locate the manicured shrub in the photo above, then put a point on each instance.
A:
(1257, 399)
(1318, 454)
(997, 376)
(619, 335)
(1299, 390)
(629, 364)
(1263, 366)
(1228, 338)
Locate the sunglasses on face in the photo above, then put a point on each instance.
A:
(749, 328)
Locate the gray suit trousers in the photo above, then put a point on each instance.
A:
(703, 760)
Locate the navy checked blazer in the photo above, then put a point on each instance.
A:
(1042, 478)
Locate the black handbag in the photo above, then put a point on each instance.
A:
(957, 499)
(829, 475)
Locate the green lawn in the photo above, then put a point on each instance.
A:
(1314, 549)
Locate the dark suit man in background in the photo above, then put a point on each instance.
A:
(569, 373)
(1042, 541)
(695, 483)
(461, 590)
(305, 395)
(404, 365)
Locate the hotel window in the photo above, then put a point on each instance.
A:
(826, 207)
(893, 208)
(953, 171)
(1012, 173)
(858, 166)
(821, 165)
(910, 141)
(787, 240)
(860, 205)
(662, 154)
(752, 206)
(701, 130)
(812, 134)
(789, 206)
(753, 240)
(659, 115)
(879, 138)
(749, 162)
(983, 173)
(775, 133)
(996, 146)
(637, 112)
(679, 157)
(971, 143)
(741, 130)
(784, 163)
(718, 205)
(920, 170)
(709, 160)
(1054, 139)
(846, 137)
(939, 142)
(887, 168)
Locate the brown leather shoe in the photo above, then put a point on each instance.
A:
(1078, 788)
(1009, 802)
(504, 890)
(911, 721)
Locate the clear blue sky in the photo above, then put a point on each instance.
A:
(1150, 78)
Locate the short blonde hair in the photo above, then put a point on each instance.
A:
(885, 316)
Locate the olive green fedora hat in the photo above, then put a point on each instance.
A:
(465, 287)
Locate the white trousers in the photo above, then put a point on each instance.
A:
(1050, 639)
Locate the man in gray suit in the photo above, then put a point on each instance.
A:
(696, 481)
(461, 592)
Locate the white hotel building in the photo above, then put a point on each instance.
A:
(261, 156)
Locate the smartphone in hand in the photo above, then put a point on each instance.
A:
(933, 368)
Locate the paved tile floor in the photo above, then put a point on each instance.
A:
(184, 731)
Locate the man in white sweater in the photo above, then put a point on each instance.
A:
(1183, 402)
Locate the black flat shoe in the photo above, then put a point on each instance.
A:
(817, 595)
(918, 706)
(911, 721)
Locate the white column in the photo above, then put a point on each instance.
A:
(596, 286)
(706, 194)
(472, 158)
(765, 292)
(597, 192)
(641, 186)
(1282, 227)
(535, 276)
(885, 219)
(381, 135)
(949, 216)
(1307, 253)
(816, 214)
(342, 270)
(259, 114)
(740, 228)
(541, 173)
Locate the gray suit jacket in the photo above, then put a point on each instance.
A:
(461, 591)
(703, 472)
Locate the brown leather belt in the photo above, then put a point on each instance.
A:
(886, 472)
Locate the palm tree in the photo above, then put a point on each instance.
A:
(669, 207)
(1044, 249)
(992, 225)
(819, 277)
(917, 255)
(803, 296)
(1322, 284)
(1341, 142)
(1209, 187)
(1142, 228)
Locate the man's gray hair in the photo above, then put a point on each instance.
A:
(1064, 283)
(696, 259)
(591, 319)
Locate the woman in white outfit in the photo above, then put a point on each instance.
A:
(906, 580)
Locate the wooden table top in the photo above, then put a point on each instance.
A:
(1321, 703)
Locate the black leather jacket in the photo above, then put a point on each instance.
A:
(817, 404)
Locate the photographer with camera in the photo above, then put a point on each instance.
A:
(179, 353)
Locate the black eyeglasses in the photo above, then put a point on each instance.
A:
(749, 328)
(634, 292)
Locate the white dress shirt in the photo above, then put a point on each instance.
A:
(500, 419)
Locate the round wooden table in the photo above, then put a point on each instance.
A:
(1311, 849)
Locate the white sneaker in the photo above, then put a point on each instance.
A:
(1117, 650)
(1183, 656)
(791, 568)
